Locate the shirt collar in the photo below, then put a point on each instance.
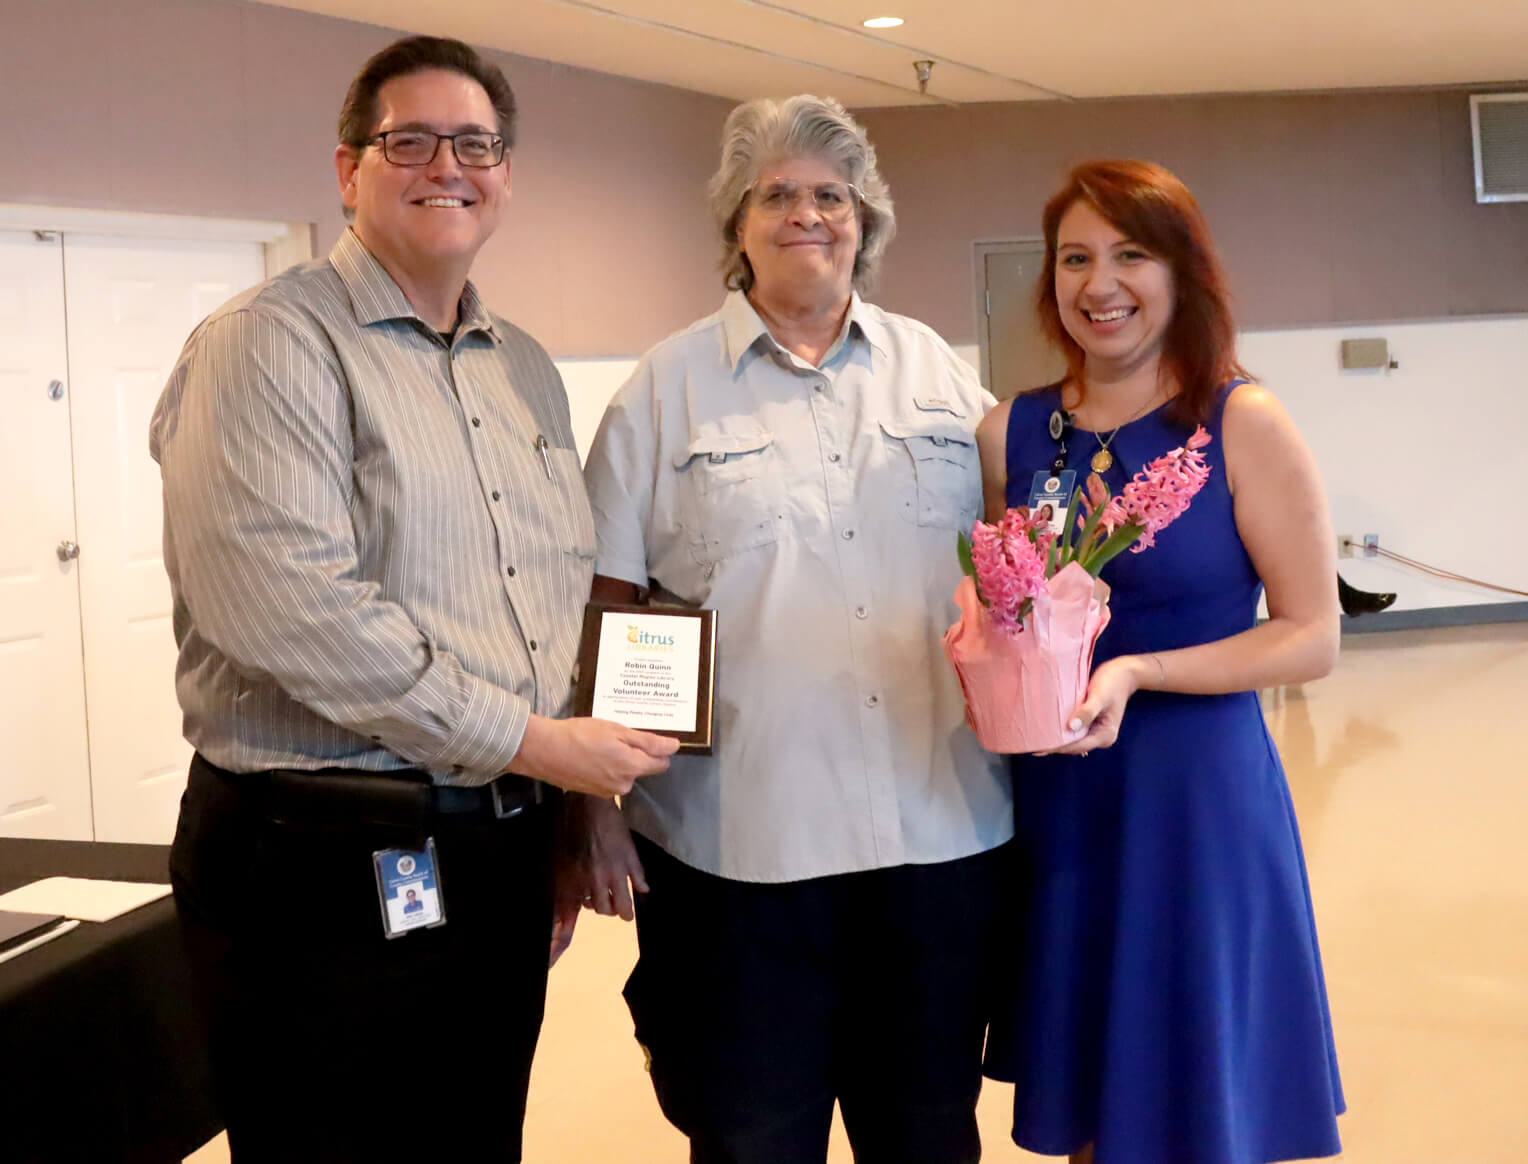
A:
(867, 321)
(743, 330)
(375, 297)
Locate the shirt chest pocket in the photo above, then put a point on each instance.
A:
(935, 470)
(577, 528)
(729, 493)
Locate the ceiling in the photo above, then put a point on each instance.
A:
(989, 50)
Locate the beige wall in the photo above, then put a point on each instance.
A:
(1328, 208)
(227, 109)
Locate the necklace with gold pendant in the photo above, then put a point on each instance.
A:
(1103, 460)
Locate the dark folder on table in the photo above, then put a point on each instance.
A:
(16, 928)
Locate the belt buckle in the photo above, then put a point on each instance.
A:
(500, 810)
(505, 811)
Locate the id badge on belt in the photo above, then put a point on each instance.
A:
(408, 886)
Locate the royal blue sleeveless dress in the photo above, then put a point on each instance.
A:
(1165, 999)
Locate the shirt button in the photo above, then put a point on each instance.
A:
(510, 571)
(495, 494)
(476, 423)
(458, 769)
(848, 535)
(533, 644)
(861, 612)
(834, 457)
(872, 701)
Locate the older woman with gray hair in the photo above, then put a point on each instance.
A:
(818, 899)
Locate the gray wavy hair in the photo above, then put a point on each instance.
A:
(764, 131)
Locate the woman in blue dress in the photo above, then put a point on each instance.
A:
(1164, 1003)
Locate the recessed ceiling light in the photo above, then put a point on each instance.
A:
(883, 22)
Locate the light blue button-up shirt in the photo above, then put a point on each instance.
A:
(816, 509)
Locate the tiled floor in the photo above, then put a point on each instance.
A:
(1409, 770)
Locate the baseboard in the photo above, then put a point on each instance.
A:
(1435, 616)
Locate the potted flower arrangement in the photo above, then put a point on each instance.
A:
(1032, 605)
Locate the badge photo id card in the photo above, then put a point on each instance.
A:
(408, 886)
(1053, 490)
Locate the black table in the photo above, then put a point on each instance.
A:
(103, 1053)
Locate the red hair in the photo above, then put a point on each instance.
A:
(1150, 206)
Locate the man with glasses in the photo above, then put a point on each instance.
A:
(380, 548)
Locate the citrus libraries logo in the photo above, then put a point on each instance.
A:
(651, 642)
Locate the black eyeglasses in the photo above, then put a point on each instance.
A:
(418, 147)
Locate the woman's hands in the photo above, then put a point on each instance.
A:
(1102, 709)
(596, 863)
(614, 869)
(596, 860)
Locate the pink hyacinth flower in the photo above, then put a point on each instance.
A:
(1160, 493)
(1010, 566)
(1095, 494)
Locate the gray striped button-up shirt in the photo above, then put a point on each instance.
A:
(377, 561)
(816, 510)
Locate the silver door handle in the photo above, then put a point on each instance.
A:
(68, 551)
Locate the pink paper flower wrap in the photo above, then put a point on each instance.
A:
(1021, 690)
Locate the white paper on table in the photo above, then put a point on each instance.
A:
(82, 897)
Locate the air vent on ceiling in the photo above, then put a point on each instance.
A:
(1499, 124)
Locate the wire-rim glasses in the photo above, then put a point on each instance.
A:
(777, 197)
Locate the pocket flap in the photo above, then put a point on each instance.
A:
(720, 445)
(937, 429)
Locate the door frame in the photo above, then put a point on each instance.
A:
(980, 249)
(281, 245)
(285, 243)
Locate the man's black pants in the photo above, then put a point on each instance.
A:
(330, 1042)
(762, 1004)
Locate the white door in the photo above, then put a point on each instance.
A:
(131, 304)
(44, 765)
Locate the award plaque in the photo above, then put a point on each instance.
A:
(650, 667)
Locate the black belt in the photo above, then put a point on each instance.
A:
(406, 796)
(508, 796)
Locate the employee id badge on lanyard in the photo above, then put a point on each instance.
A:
(1054, 490)
(408, 885)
